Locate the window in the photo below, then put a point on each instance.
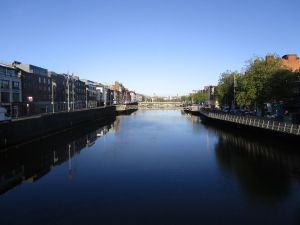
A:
(10, 73)
(4, 84)
(40, 80)
(16, 85)
(5, 97)
(16, 97)
(2, 71)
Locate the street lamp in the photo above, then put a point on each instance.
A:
(53, 84)
(86, 100)
(73, 93)
(68, 93)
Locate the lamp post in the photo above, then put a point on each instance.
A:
(86, 100)
(73, 95)
(68, 94)
(53, 108)
(234, 90)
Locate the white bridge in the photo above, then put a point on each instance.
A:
(160, 105)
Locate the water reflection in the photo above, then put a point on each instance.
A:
(153, 167)
(264, 169)
(32, 161)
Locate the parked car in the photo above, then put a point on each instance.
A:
(225, 109)
(270, 115)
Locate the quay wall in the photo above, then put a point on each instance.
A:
(126, 109)
(253, 125)
(25, 129)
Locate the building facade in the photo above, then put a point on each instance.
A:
(91, 93)
(119, 93)
(76, 92)
(291, 61)
(36, 88)
(58, 88)
(10, 90)
(211, 100)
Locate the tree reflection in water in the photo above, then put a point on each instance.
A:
(264, 169)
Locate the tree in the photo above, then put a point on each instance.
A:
(281, 86)
(200, 97)
(255, 83)
(225, 88)
(187, 98)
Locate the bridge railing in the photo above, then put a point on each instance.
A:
(255, 122)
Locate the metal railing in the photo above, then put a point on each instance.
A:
(278, 126)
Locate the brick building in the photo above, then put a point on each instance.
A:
(36, 88)
(291, 61)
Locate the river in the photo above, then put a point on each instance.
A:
(151, 167)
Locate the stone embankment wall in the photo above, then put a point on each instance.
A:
(26, 129)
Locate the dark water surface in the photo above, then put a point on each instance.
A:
(152, 167)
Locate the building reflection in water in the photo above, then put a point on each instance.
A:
(265, 169)
(30, 162)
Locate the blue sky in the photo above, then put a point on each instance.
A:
(166, 47)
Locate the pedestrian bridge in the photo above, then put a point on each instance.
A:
(160, 105)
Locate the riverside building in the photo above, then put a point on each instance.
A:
(36, 88)
(10, 90)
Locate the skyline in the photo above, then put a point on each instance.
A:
(162, 47)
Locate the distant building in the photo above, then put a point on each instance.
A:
(141, 98)
(91, 93)
(118, 93)
(36, 88)
(127, 96)
(58, 86)
(104, 95)
(210, 90)
(291, 61)
(10, 90)
(133, 96)
(76, 92)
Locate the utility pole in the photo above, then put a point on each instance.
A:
(53, 110)
(73, 94)
(234, 89)
(86, 101)
(68, 94)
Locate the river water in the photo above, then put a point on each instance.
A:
(152, 167)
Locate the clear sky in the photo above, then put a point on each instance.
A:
(166, 47)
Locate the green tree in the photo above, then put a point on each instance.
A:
(187, 98)
(225, 88)
(255, 84)
(280, 86)
(200, 97)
